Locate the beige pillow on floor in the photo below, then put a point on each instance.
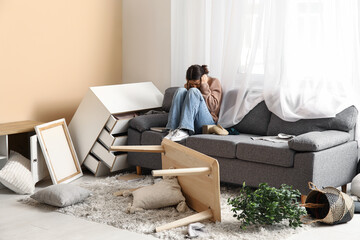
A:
(164, 193)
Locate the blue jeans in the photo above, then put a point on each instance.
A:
(189, 111)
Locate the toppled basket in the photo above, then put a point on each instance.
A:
(329, 205)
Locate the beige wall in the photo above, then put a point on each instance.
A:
(147, 42)
(52, 51)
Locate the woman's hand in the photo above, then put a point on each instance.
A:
(204, 78)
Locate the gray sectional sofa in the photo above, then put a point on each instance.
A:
(324, 150)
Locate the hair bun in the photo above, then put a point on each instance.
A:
(205, 68)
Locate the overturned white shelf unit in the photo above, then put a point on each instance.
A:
(101, 121)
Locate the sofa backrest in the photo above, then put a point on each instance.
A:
(256, 121)
(261, 121)
(168, 97)
(343, 121)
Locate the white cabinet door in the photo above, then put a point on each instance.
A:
(38, 165)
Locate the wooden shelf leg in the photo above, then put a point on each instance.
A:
(181, 171)
(303, 199)
(207, 214)
(138, 170)
(343, 188)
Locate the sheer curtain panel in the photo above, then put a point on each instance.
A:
(300, 56)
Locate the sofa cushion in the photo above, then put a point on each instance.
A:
(216, 145)
(317, 141)
(256, 121)
(152, 137)
(343, 121)
(145, 122)
(261, 151)
(168, 97)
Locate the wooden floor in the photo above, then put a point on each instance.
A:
(22, 222)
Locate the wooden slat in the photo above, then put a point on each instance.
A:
(187, 220)
(198, 176)
(142, 148)
(181, 171)
(18, 127)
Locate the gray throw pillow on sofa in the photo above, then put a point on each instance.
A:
(317, 141)
(145, 122)
(256, 121)
(343, 121)
(61, 195)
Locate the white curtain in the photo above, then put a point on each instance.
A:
(188, 37)
(242, 72)
(300, 56)
(311, 58)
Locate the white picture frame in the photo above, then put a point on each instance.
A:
(59, 151)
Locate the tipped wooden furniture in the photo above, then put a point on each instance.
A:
(13, 128)
(198, 176)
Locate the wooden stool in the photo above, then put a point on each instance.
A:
(198, 176)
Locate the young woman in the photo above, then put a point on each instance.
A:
(195, 105)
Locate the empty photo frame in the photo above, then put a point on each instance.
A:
(59, 152)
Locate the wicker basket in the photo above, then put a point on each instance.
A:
(329, 205)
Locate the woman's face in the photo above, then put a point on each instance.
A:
(194, 83)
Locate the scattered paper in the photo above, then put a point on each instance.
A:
(280, 138)
(194, 229)
(158, 129)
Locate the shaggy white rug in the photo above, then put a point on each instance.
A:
(103, 207)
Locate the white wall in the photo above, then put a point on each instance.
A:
(146, 42)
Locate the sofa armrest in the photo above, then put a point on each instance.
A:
(317, 141)
(168, 97)
(145, 122)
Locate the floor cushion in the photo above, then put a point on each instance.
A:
(16, 174)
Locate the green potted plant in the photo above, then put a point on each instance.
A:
(267, 205)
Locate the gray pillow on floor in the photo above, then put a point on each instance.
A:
(61, 195)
